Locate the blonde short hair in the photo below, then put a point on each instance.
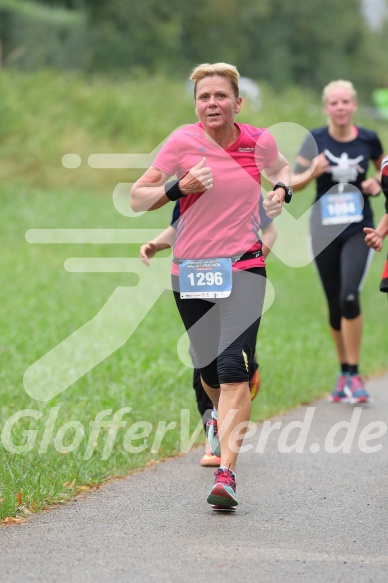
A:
(221, 69)
(340, 84)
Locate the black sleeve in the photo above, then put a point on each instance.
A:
(377, 148)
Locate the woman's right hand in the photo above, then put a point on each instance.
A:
(197, 180)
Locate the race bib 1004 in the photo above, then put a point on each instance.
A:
(205, 278)
(340, 208)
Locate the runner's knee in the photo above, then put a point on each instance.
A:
(210, 375)
(234, 366)
(350, 306)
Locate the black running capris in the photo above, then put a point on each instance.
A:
(223, 331)
(342, 266)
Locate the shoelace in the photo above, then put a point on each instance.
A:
(225, 477)
(341, 383)
(356, 383)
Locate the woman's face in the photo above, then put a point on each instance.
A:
(340, 106)
(215, 103)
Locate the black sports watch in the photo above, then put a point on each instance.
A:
(288, 190)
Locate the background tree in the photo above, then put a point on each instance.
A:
(278, 41)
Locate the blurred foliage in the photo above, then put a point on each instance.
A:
(34, 36)
(47, 114)
(281, 42)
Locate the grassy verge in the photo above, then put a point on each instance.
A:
(49, 450)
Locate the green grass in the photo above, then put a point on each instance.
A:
(41, 303)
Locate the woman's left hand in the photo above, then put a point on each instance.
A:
(273, 203)
(371, 187)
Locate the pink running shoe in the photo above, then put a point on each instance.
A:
(339, 395)
(212, 434)
(356, 390)
(209, 460)
(223, 493)
(254, 384)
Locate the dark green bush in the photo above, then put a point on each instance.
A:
(33, 36)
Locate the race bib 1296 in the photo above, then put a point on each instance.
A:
(205, 278)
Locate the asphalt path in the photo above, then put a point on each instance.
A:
(313, 506)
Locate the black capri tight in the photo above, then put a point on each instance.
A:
(223, 331)
(342, 266)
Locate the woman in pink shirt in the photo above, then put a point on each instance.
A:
(218, 269)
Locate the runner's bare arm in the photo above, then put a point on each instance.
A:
(372, 186)
(309, 170)
(374, 237)
(147, 194)
(278, 172)
(163, 241)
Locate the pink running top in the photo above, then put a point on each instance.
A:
(222, 221)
